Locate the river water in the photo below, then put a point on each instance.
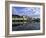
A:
(28, 26)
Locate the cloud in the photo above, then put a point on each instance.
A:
(26, 11)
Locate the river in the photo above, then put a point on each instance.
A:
(28, 26)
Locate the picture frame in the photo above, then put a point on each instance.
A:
(8, 19)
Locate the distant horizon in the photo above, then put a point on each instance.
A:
(26, 11)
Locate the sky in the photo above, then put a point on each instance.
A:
(28, 11)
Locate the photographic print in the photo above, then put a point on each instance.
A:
(24, 19)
